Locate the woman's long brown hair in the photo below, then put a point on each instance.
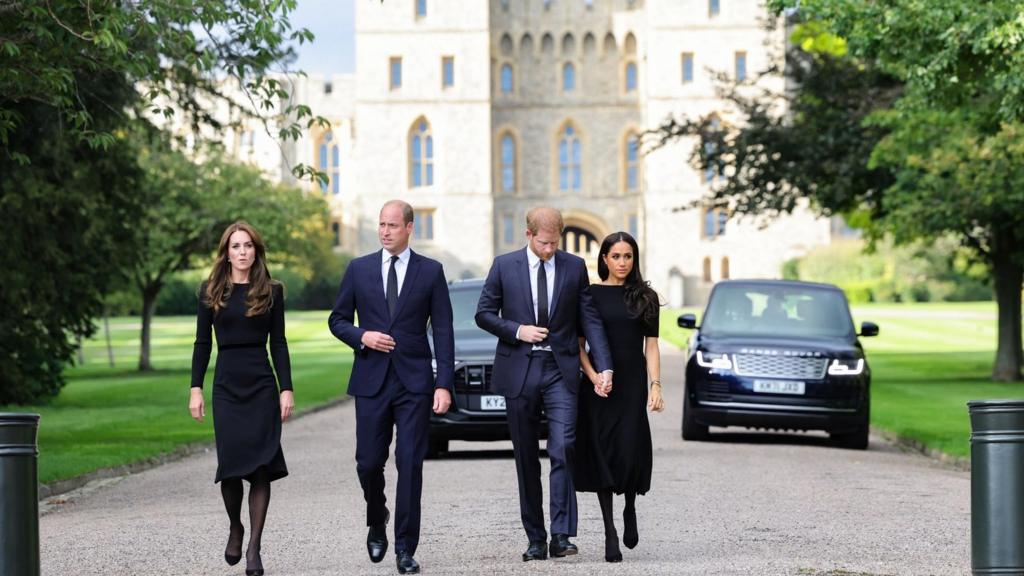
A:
(218, 286)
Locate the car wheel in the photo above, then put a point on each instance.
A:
(692, 430)
(436, 447)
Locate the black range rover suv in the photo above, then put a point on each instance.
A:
(778, 355)
(477, 412)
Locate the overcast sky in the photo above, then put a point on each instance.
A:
(333, 23)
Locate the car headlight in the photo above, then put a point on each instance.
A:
(714, 360)
(846, 367)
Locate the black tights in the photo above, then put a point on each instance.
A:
(259, 501)
(611, 537)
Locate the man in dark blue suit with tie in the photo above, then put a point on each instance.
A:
(396, 293)
(537, 301)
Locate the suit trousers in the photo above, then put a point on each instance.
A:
(544, 388)
(376, 417)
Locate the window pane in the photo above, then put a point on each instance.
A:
(722, 218)
(421, 7)
(449, 71)
(430, 225)
(569, 77)
(417, 228)
(508, 163)
(416, 148)
(633, 225)
(430, 173)
(563, 152)
(709, 223)
(396, 72)
(563, 177)
(323, 165)
(687, 67)
(630, 77)
(430, 147)
(335, 160)
(714, 7)
(631, 148)
(576, 177)
(335, 182)
(506, 79)
(741, 66)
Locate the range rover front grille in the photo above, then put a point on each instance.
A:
(771, 366)
(473, 377)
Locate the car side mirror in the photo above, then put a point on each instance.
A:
(868, 329)
(688, 321)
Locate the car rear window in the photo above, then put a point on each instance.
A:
(777, 310)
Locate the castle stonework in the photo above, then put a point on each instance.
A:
(474, 111)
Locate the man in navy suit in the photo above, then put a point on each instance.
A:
(537, 301)
(396, 293)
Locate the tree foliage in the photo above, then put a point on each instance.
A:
(76, 77)
(195, 201)
(911, 125)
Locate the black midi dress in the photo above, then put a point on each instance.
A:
(613, 436)
(246, 404)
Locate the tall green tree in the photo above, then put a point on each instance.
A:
(918, 134)
(195, 201)
(74, 78)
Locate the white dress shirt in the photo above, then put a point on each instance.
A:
(533, 264)
(400, 267)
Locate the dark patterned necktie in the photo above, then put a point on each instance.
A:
(392, 293)
(542, 296)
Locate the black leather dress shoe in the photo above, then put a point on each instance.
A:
(536, 551)
(377, 539)
(406, 564)
(560, 546)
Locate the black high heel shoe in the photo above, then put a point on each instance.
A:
(233, 559)
(250, 569)
(611, 547)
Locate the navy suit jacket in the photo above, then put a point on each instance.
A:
(424, 298)
(506, 303)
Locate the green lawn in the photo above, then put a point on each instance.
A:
(926, 363)
(112, 416)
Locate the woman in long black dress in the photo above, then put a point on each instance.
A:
(245, 306)
(613, 437)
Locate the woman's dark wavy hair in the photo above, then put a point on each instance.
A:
(641, 300)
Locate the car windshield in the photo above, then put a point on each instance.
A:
(464, 301)
(777, 310)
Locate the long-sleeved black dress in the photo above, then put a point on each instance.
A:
(613, 436)
(246, 404)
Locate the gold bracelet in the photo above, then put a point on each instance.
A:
(656, 383)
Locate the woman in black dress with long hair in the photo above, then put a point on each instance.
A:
(245, 307)
(613, 436)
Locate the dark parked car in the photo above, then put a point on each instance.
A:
(778, 355)
(477, 412)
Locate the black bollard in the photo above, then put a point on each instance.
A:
(997, 486)
(19, 495)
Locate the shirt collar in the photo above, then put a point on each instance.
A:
(532, 259)
(403, 256)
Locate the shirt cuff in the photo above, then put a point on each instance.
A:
(517, 331)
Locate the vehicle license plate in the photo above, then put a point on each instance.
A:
(779, 386)
(496, 402)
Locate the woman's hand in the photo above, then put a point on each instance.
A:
(287, 404)
(654, 400)
(599, 386)
(196, 405)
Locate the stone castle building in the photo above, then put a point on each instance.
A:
(474, 111)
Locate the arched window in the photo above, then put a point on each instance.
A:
(631, 77)
(507, 79)
(570, 175)
(632, 163)
(330, 163)
(568, 77)
(725, 268)
(508, 164)
(421, 155)
(707, 269)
